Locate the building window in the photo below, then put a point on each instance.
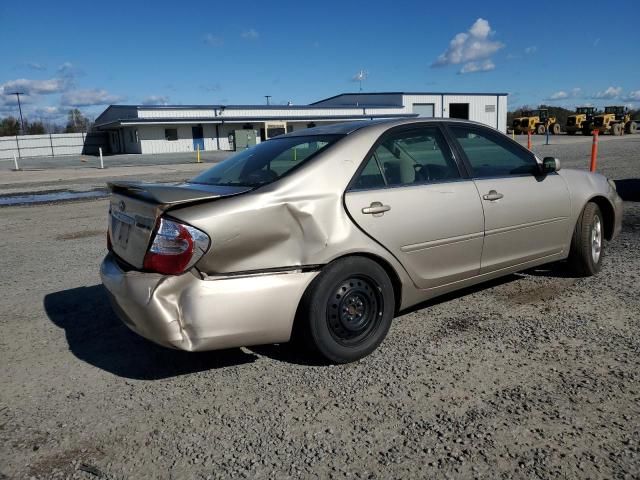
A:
(171, 134)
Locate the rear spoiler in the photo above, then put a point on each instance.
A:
(171, 194)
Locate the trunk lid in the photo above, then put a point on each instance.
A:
(135, 208)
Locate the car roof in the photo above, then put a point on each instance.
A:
(346, 128)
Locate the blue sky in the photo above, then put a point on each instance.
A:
(91, 54)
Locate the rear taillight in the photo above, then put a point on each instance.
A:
(175, 248)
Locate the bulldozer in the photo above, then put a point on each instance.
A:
(536, 121)
(615, 120)
(582, 118)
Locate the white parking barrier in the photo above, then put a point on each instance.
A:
(101, 162)
(15, 162)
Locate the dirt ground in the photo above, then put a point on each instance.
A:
(536, 375)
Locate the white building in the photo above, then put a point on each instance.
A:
(186, 128)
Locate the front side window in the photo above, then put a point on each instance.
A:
(491, 156)
(416, 156)
(265, 162)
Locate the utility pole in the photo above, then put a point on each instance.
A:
(17, 94)
(268, 97)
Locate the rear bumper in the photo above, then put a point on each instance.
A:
(188, 313)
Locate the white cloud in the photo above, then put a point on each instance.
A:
(530, 50)
(35, 66)
(68, 71)
(469, 47)
(609, 93)
(633, 96)
(31, 87)
(213, 40)
(156, 100)
(563, 94)
(48, 112)
(474, 67)
(84, 98)
(250, 34)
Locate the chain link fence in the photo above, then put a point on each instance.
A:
(52, 145)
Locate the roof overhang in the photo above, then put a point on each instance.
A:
(221, 121)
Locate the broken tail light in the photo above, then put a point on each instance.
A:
(175, 248)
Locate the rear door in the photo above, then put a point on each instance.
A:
(412, 198)
(526, 214)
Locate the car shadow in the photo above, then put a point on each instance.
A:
(629, 189)
(95, 335)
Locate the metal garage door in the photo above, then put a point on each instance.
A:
(423, 109)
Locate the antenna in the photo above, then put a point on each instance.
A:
(268, 97)
(361, 76)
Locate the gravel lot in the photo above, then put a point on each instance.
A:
(533, 376)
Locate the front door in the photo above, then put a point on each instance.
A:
(198, 138)
(526, 214)
(412, 199)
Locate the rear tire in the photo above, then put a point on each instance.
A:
(347, 310)
(555, 129)
(587, 244)
(632, 127)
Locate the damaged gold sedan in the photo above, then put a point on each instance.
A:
(326, 234)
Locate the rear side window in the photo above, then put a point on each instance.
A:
(266, 162)
(410, 157)
(492, 156)
(370, 177)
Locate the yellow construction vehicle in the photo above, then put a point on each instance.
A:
(582, 118)
(615, 120)
(536, 121)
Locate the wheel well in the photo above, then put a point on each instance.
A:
(391, 272)
(608, 215)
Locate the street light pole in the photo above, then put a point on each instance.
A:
(268, 97)
(17, 94)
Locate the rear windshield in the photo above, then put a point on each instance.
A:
(266, 162)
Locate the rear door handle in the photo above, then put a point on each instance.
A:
(376, 209)
(493, 196)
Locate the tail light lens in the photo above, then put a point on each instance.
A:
(175, 248)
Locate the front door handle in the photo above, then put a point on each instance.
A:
(376, 209)
(492, 196)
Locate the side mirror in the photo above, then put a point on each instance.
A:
(550, 165)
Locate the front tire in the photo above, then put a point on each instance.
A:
(587, 244)
(347, 310)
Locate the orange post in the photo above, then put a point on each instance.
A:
(594, 151)
(529, 139)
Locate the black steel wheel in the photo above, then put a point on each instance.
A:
(347, 310)
(353, 309)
